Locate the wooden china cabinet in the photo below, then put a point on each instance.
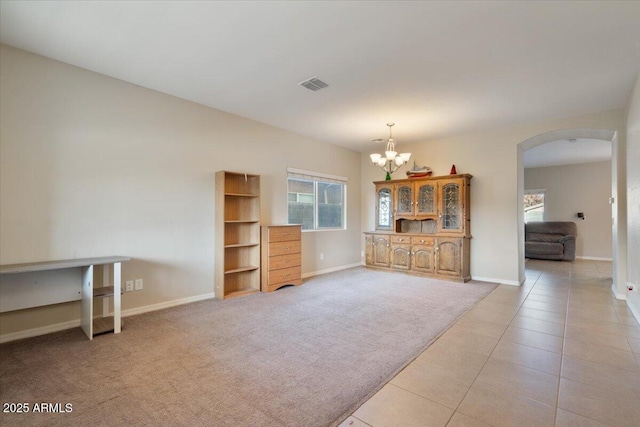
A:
(422, 226)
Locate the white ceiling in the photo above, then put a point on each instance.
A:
(568, 152)
(433, 68)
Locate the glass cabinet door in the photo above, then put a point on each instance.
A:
(426, 199)
(404, 199)
(384, 218)
(450, 206)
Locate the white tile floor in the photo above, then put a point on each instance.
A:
(559, 350)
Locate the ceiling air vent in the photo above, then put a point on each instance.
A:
(313, 84)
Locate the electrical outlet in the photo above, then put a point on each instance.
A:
(128, 287)
(321, 256)
(139, 285)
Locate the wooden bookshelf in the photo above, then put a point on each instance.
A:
(237, 269)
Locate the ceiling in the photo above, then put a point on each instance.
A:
(434, 68)
(568, 152)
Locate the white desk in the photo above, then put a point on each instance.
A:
(53, 282)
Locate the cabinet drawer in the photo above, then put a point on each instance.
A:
(284, 248)
(286, 275)
(427, 241)
(405, 240)
(283, 234)
(284, 261)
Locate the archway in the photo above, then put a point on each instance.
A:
(618, 210)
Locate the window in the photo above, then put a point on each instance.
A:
(316, 201)
(533, 205)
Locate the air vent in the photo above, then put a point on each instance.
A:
(314, 84)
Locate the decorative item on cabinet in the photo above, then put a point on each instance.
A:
(419, 171)
(453, 170)
(430, 232)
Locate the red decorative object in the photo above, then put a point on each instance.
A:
(453, 170)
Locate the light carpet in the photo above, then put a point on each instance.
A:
(300, 356)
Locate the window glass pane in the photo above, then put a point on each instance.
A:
(315, 202)
(330, 205)
(301, 201)
(534, 207)
(305, 198)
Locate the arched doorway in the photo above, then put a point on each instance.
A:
(618, 211)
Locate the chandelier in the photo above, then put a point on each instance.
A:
(391, 160)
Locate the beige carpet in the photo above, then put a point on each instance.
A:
(301, 356)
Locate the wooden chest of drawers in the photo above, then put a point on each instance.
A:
(281, 256)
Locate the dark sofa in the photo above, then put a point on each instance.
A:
(550, 240)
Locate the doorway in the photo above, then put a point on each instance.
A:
(618, 209)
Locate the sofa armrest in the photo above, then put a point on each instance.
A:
(565, 239)
(569, 243)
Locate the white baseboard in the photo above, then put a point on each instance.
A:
(633, 302)
(330, 270)
(43, 330)
(34, 332)
(617, 294)
(593, 258)
(492, 280)
(166, 304)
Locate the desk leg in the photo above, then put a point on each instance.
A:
(86, 319)
(117, 286)
(105, 282)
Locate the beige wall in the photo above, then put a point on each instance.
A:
(492, 158)
(94, 166)
(578, 188)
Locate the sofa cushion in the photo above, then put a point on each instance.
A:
(543, 237)
(544, 248)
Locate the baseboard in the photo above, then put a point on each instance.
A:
(593, 258)
(330, 270)
(492, 280)
(617, 294)
(633, 302)
(166, 304)
(43, 330)
(34, 332)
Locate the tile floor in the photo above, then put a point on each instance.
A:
(559, 350)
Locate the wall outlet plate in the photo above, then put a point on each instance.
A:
(128, 287)
(139, 285)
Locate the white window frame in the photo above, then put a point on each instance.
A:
(316, 177)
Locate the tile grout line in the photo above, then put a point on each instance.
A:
(564, 338)
(488, 357)
(560, 378)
